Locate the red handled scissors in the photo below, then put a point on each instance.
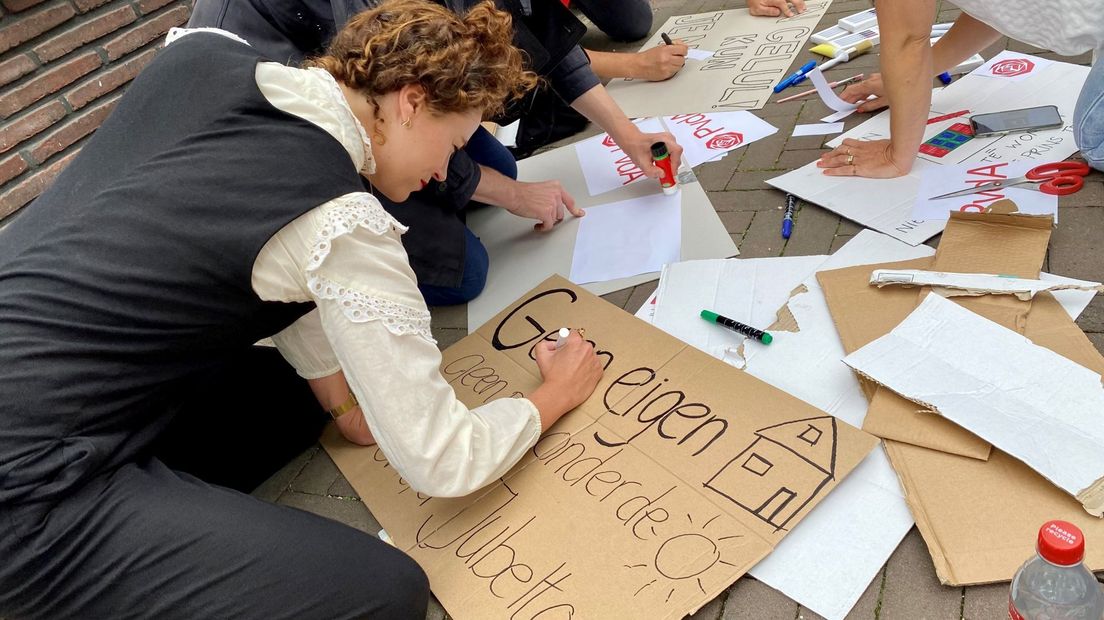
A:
(1058, 179)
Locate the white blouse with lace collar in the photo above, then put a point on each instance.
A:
(371, 321)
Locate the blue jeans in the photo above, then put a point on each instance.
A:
(484, 149)
(475, 277)
(1088, 117)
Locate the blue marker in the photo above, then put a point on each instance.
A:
(797, 77)
(945, 77)
(787, 220)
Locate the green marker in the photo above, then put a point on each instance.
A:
(737, 326)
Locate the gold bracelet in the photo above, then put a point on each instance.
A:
(345, 407)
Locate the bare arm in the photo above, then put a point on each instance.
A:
(332, 391)
(602, 110)
(905, 27)
(966, 37)
(654, 64)
(545, 201)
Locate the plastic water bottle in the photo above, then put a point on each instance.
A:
(1055, 585)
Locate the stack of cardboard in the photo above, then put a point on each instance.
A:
(977, 508)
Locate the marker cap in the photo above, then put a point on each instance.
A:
(659, 150)
(709, 316)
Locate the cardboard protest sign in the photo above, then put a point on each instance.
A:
(520, 257)
(705, 137)
(886, 204)
(998, 385)
(750, 56)
(671, 481)
(605, 166)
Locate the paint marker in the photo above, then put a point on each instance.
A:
(787, 220)
(562, 337)
(662, 160)
(945, 77)
(797, 77)
(736, 326)
(947, 117)
(666, 39)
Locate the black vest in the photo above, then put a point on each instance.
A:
(130, 277)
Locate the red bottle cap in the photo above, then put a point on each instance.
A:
(1061, 543)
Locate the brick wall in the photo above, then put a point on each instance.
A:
(63, 66)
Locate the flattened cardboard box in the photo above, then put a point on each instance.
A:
(669, 483)
(1026, 400)
(979, 518)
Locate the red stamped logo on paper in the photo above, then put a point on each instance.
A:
(608, 142)
(725, 140)
(1012, 67)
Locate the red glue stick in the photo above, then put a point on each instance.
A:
(662, 160)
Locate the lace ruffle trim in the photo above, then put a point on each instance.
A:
(345, 216)
(359, 307)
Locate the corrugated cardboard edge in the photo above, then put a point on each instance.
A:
(1092, 498)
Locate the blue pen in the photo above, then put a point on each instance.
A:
(796, 77)
(787, 220)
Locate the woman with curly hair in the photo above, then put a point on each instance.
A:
(220, 204)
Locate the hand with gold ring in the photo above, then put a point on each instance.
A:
(862, 158)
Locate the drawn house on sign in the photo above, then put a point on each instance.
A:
(782, 470)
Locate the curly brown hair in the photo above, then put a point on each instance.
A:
(462, 62)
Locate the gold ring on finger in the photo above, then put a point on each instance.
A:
(850, 159)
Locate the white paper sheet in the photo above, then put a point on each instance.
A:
(1026, 400)
(886, 204)
(837, 116)
(605, 166)
(1012, 66)
(750, 55)
(827, 95)
(817, 129)
(705, 137)
(521, 258)
(950, 284)
(694, 54)
(939, 180)
(627, 238)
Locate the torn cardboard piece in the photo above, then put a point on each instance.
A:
(521, 258)
(861, 314)
(979, 518)
(1028, 401)
(750, 56)
(648, 500)
(974, 284)
(972, 242)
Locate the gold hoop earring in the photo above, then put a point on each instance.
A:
(406, 123)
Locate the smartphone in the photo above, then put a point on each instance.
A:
(1027, 119)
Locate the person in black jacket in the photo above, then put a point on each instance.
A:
(450, 262)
